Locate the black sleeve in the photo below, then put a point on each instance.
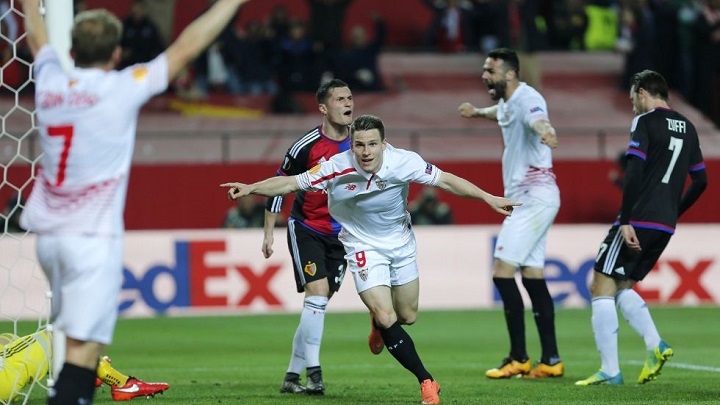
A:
(697, 186)
(631, 187)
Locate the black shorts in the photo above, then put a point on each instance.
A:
(618, 261)
(315, 256)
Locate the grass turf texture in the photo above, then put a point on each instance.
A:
(242, 359)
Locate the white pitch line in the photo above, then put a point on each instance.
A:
(685, 366)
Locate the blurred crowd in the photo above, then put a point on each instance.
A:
(281, 53)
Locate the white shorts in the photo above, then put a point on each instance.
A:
(390, 267)
(522, 238)
(85, 275)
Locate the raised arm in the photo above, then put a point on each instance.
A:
(468, 110)
(200, 34)
(37, 35)
(271, 187)
(459, 186)
(546, 132)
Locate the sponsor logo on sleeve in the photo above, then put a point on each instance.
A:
(140, 73)
(536, 109)
(428, 168)
(314, 169)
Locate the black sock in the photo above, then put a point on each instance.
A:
(544, 311)
(401, 346)
(293, 377)
(74, 384)
(514, 316)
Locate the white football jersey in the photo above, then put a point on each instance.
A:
(526, 162)
(86, 121)
(370, 207)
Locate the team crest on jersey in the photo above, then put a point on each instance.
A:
(381, 184)
(363, 273)
(311, 268)
(72, 83)
(140, 73)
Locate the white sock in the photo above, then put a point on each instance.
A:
(636, 312)
(605, 327)
(297, 359)
(312, 322)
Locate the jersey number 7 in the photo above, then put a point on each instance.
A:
(65, 131)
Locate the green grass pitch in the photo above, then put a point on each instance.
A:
(242, 360)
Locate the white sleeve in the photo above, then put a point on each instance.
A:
(146, 80)
(534, 110)
(417, 170)
(47, 64)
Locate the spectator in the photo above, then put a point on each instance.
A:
(566, 28)
(429, 210)
(688, 13)
(326, 30)
(256, 59)
(708, 68)
(247, 213)
(487, 26)
(357, 65)
(141, 41)
(297, 70)
(279, 22)
(218, 66)
(447, 28)
(637, 38)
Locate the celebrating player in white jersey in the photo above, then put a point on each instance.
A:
(528, 136)
(87, 119)
(367, 190)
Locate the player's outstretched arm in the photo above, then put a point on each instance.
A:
(37, 35)
(271, 187)
(200, 34)
(459, 186)
(468, 110)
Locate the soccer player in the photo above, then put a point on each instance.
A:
(318, 256)
(367, 190)
(26, 359)
(527, 171)
(663, 149)
(87, 119)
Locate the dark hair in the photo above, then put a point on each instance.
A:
(653, 82)
(509, 57)
(324, 90)
(95, 35)
(366, 123)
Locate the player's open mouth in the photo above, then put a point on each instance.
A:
(347, 113)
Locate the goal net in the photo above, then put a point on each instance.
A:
(24, 290)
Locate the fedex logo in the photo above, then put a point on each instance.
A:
(199, 284)
(680, 281)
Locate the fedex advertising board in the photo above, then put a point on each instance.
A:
(223, 271)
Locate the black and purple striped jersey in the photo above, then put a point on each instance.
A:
(310, 208)
(664, 148)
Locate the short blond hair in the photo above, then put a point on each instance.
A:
(95, 35)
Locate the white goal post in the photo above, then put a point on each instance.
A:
(22, 312)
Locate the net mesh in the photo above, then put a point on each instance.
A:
(24, 304)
